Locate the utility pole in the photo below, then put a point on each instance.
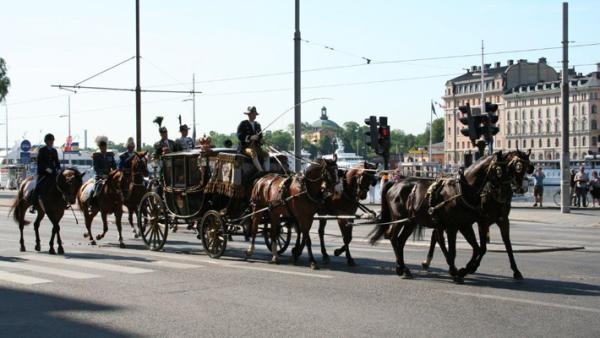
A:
(297, 108)
(6, 126)
(455, 129)
(138, 94)
(565, 186)
(194, 107)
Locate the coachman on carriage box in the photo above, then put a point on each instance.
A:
(250, 136)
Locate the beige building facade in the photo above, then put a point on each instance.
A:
(529, 100)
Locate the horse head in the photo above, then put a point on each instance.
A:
(323, 172)
(519, 165)
(359, 180)
(491, 168)
(139, 167)
(69, 182)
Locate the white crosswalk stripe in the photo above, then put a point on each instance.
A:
(47, 270)
(21, 279)
(87, 263)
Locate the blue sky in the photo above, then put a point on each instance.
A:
(64, 42)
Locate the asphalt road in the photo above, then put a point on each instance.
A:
(98, 291)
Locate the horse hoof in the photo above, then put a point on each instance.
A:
(351, 262)
(93, 242)
(122, 245)
(51, 251)
(459, 280)
(314, 266)
(135, 235)
(518, 275)
(425, 265)
(399, 271)
(407, 275)
(61, 251)
(337, 252)
(453, 272)
(38, 248)
(274, 261)
(462, 272)
(23, 249)
(98, 237)
(86, 235)
(295, 253)
(326, 260)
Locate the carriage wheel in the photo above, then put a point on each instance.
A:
(284, 236)
(153, 221)
(213, 232)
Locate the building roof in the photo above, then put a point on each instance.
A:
(473, 73)
(324, 122)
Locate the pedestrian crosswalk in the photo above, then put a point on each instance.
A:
(110, 262)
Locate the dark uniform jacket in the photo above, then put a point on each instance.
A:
(125, 160)
(103, 163)
(160, 144)
(47, 159)
(244, 132)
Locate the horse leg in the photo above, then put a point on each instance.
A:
(36, 228)
(88, 224)
(505, 232)
(104, 225)
(306, 234)
(130, 219)
(118, 215)
(256, 218)
(346, 230)
(484, 231)
(275, 222)
(51, 251)
(297, 250)
(322, 224)
(451, 231)
(472, 265)
(401, 268)
(425, 264)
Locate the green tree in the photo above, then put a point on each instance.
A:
(4, 80)
(218, 139)
(280, 139)
(438, 130)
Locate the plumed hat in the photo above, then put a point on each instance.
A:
(130, 142)
(101, 139)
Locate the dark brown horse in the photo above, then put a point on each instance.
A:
(449, 205)
(134, 185)
(108, 201)
(355, 186)
(53, 204)
(497, 205)
(298, 197)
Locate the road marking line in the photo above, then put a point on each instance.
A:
(174, 265)
(86, 263)
(48, 270)
(21, 279)
(526, 301)
(163, 255)
(247, 267)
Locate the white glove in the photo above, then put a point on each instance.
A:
(49, 171)
(254, 138)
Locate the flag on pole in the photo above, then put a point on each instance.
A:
(433, 109)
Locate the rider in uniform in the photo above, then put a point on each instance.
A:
(125, 162)
(104, 162)
(185, 142)
(162, 147)
(48, 167)
(250, 136)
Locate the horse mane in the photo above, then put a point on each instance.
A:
(471, 173)
(77, 172)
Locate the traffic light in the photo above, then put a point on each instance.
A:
(384, 135)
(467, 119)
(491, 109)
(371, 136)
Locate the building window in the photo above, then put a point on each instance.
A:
(582, 110)
(556, 126)
(509, 144)
(524, 144)
(531, 127)
(523, 114)
(583, 142)
(555, 112)
(548, 127)
(531, 114)
(594, 141)
(547, 143)
(574, 110)
(594, 109)
(539, 113)
(533, 156)
(540, 143)
(524, 128)
(556, 142)
(547, 113)
(594, 125)
(574, 141)
(531, 142)
(508, 116)
(508, 128)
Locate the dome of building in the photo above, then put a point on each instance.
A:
(324, 122)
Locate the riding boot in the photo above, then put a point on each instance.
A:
(33, 199)
(257, 164)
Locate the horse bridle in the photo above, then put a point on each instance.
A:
(326, 178)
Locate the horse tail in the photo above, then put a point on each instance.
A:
(380, 229)
(14, 208)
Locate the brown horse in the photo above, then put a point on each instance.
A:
(497, 205)
(355, 186)
(108, 201)
(53, 204)
(134, 185)
(298, 197)
(449, 205)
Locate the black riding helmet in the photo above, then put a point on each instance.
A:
(48, 137)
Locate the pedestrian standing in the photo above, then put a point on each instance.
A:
(581, 181)
(538, 187)
(595, 188)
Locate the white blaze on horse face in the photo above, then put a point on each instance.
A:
(519, 167)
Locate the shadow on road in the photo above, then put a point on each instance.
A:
(33, 314)
(534, 285)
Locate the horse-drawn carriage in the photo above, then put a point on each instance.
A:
(210, 187)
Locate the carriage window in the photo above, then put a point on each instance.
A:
(168, 171)
(193, 171)
(179, 171)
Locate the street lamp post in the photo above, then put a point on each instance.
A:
(68, 116)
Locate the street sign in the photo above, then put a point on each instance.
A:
(25, 145)
(25, 159)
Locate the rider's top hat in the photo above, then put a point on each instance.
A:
(183, 127)
(251, 109)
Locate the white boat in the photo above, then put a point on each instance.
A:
(551, 168)
(344, 159)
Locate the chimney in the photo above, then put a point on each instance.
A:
(497, 65)
(522, 60)
(542, 61)
(510, 62)
(473, 68)
(487, 66)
